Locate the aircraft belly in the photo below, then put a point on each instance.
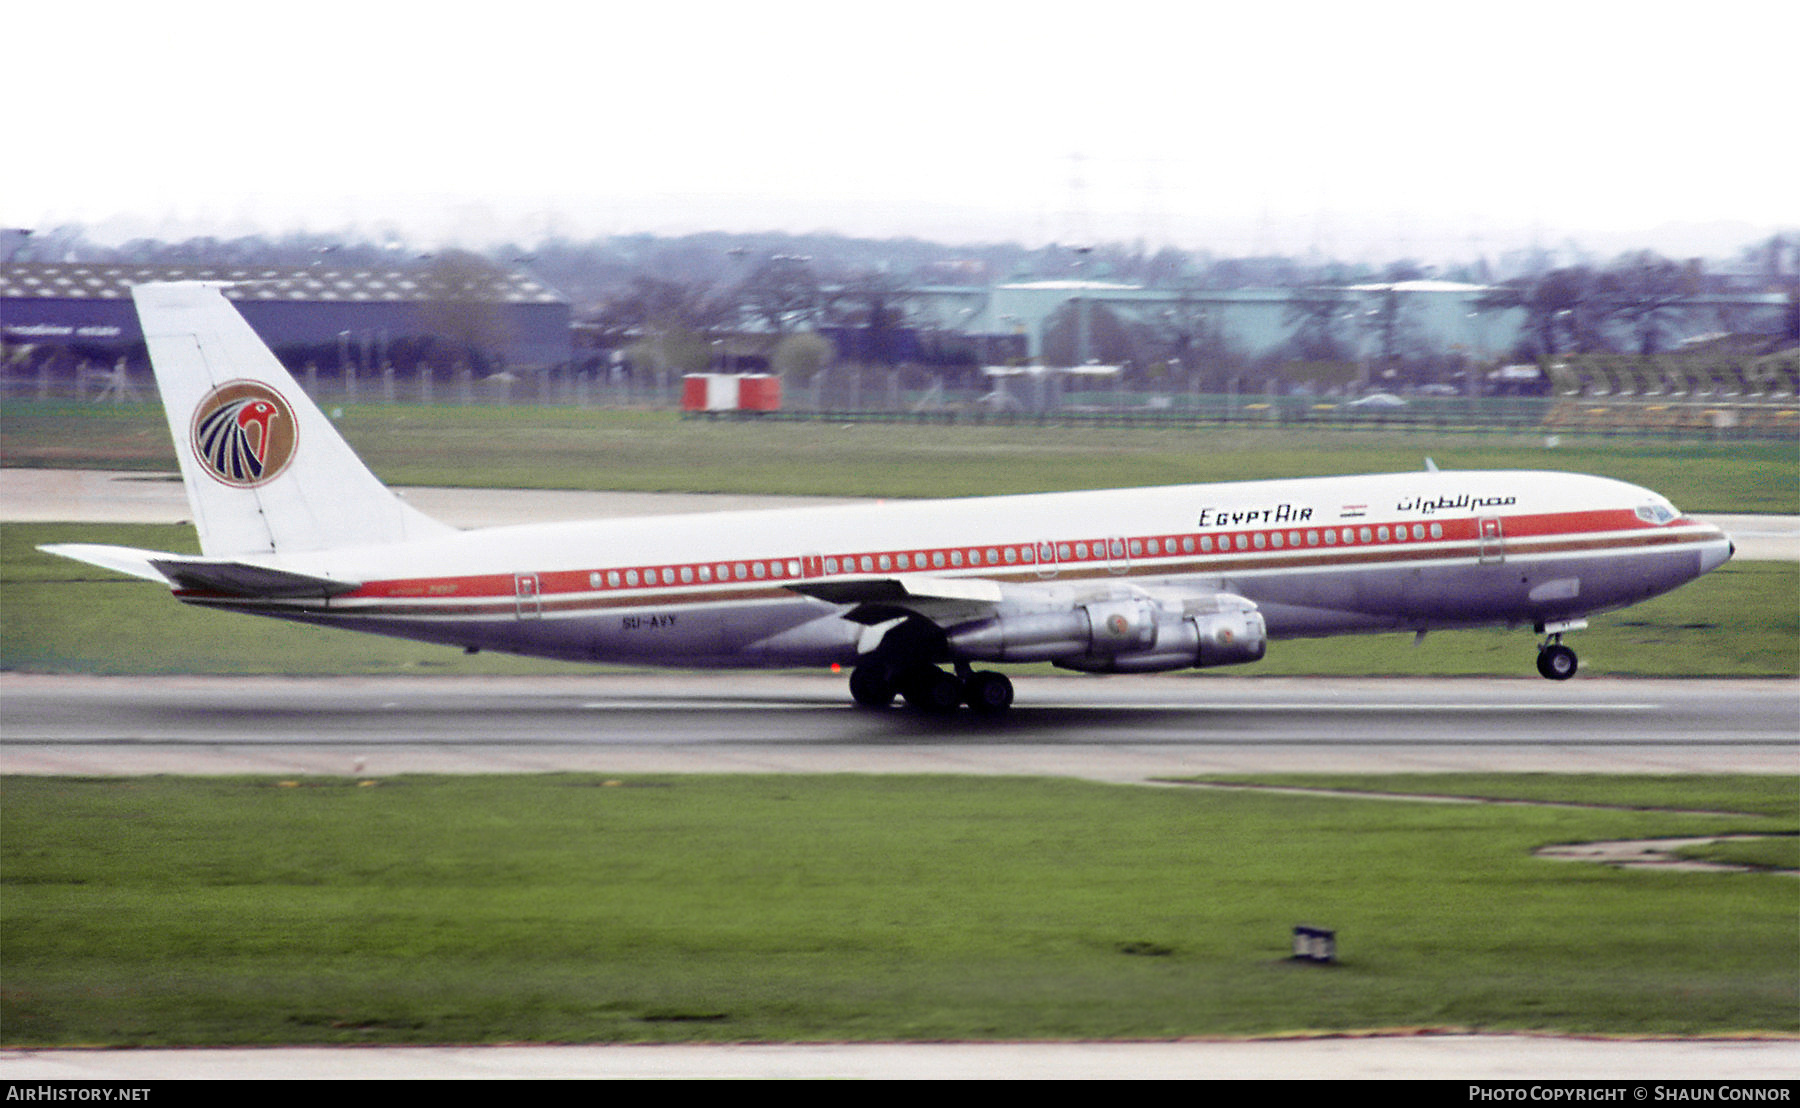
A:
(1328, 602)
(780, 632)
(1523, 589)
(784, 632)
(1601, 588)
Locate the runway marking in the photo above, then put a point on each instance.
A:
(508, 746)
(1263, 706)
(1115, 706)
(709, 705)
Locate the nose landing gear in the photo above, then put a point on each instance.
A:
(1554, 660)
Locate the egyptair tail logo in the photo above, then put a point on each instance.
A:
(244, 433)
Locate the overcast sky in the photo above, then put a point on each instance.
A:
(1397, 127)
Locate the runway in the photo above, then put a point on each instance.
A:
(1120, 729)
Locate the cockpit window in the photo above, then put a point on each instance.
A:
(1655, 512)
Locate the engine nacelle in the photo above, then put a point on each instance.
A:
(1129, 635)
(1231, 638)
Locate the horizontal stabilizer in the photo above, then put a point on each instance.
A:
(244, 579)
(120, 559)
(189, 573)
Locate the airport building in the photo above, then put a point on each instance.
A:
(330, 318)
(1257, 322)
(1446, 317)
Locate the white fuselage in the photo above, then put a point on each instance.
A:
(1317, 556)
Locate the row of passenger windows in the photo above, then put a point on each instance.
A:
(938, 559)
(691, 575)
(1330, 536)
(725, 572)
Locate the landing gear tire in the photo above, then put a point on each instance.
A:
(930, 689)
(871, 685)
(1556, 661)
(988, 693)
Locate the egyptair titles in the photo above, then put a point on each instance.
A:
(1465, 503)
(1238, 517)
(1283, 514)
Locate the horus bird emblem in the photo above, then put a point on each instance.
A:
(234, 438)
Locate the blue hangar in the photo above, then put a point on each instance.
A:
(431, 317)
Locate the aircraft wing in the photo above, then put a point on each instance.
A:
(197, 574)
(942, 600)
(1102, 626)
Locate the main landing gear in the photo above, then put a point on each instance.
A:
(875, 683)
(1554, 660)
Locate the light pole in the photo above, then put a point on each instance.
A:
(1081, 306)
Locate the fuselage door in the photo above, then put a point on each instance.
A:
(1492, 538)
(1117, 558)
(526, 591)
(1046, 559)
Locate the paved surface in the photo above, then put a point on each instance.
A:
(1761, 538)
(1124, 729)
(1630, 1065)
(63, 496)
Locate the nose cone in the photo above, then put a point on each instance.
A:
(1716, 551)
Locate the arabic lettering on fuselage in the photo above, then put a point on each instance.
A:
(1238, 517)
(1465, 502)
(1283, 514)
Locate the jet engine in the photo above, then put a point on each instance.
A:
(1121, 635)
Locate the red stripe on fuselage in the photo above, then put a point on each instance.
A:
(1178, 554)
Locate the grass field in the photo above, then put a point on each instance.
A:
(573, 908)
(575, 448)
(62, 617)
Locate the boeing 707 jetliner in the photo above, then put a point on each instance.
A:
(293, 525)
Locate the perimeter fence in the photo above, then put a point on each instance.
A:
(878, 398)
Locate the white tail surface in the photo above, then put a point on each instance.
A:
(266, 472)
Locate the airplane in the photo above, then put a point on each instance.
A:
(292, 525)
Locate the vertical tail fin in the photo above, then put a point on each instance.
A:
(265, 471)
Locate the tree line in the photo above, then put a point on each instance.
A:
(759, 300)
